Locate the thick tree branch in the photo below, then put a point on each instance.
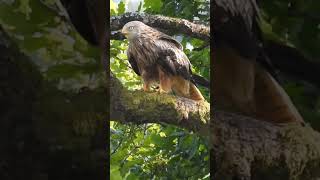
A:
(141, 107)
(172, 25)
(245, 148)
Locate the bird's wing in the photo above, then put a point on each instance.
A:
(133, 61)
(241, 85)
(236, 25)
(162, 36)
(171, 40)
(171, 58)
(175, 61)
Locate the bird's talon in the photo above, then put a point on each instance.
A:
(161, 91)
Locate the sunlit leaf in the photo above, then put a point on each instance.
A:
(121, 7)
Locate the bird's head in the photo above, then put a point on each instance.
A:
(132, 29)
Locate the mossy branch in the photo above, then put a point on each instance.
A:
(142, 107)
(245, 148)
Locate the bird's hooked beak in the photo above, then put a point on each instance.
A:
(125, 32)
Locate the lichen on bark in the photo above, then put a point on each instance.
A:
(153, 107)
(251, 149)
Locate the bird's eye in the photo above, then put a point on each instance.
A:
(131, 27)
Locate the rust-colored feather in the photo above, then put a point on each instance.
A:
(243, 86)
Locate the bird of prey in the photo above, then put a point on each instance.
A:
(157, 57)
(244, 78)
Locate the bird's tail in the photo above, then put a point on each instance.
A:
(185, 88)
(201, 81)
(292, 62)
(194, 93)
(272, 102)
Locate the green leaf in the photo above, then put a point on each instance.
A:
(121, 8)
(115, 173)
(113, 6)
(153, 5)
(140, 6)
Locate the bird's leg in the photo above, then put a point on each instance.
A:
(146, 87)
(146, 82)
(181, 86)
(165, 86)
(161, 91)
(165, 82)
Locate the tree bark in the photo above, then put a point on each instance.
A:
(245, 148)
(46, 133)
(172, 25)
(141, 107)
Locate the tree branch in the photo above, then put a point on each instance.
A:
(141, 107)
(246, 148)
(172, 25)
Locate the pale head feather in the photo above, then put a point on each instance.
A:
(133, 29)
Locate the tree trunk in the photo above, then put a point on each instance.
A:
(47, 133)
(245, 148)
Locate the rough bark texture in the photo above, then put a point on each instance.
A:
(245, 148)
(172, 25)
(141, 107)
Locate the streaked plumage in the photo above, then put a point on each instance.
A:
(237, 25)
(242, 70)
(235, 22)
(157, 57)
